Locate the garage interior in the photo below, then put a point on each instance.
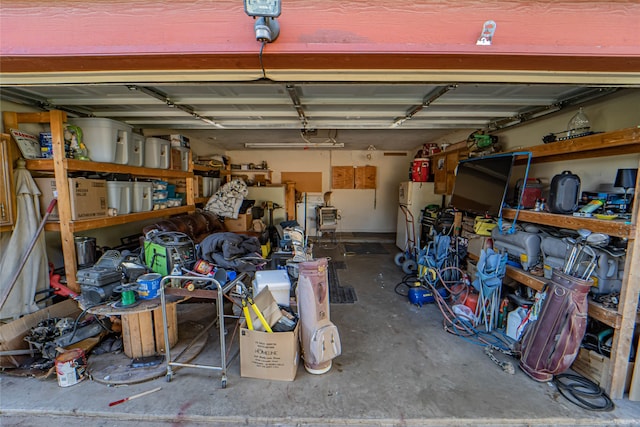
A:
(343, 107)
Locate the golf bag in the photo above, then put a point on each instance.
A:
(319, 336)
(550, 345)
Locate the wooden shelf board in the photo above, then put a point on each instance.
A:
(618, 228)
(624, 141)
(73, 165)
(90, 224)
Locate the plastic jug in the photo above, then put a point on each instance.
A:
(514, 320)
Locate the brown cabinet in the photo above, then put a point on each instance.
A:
(444, 170)
(6, 184)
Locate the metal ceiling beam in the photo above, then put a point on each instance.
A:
(426, 102)
(157, 94)
(293, 94)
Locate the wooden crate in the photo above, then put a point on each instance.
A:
(143, 332)
(595, 366)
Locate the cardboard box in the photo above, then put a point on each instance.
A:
(266, 355)
(595, 367)
(88, 197)
(243, 223)
(269, 356)
(12, 334)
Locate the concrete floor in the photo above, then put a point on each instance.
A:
(398, 368)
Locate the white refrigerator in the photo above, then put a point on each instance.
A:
(415, 196)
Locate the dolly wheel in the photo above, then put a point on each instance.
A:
(409, 266)
(168, 377)
(223, 383)
(399, 259)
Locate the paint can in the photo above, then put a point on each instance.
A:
(149, 285)
(71, 367)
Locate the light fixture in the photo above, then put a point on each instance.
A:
(265, 13)
(293, 145)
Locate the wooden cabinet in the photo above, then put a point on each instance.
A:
(6, 184)
(623, 320)
(61, 167)
(444, 169)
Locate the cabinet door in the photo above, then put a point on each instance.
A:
(440, 174)
(451, 164)
(6, 202)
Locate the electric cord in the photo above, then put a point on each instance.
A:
(583, 392)
(402, 288)
(264, 73)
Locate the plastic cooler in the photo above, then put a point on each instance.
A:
(278, 283)
(142, 196)
(119, 196)
(107, 140)
(136, 150)
(157, 153)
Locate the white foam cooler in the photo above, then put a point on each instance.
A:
(136, 150)
(120, 196)
(107, 140)
(157, 153)
(142, 196)
(278, 283)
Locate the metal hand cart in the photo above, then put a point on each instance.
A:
(218, 295)
(409, 257)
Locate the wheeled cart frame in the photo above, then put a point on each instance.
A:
(218, 295)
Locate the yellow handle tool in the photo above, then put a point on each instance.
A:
(245, 310)
(260, 316)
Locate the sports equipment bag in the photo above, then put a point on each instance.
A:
(550, 345)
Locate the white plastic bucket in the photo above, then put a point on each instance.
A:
(71, 367)
(157, 153)
(107, 140)
(136, 150)
(142, 196)
(215, 186)
(207, 185)
(120, 196)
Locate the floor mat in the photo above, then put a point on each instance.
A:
(339, 294)
(365, 248)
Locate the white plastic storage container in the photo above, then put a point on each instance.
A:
(136, 150)
(157, 153)
(107, 140)
(120, 196)
(142, 196)
(278, 283)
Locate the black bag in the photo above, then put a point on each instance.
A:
(564, 192)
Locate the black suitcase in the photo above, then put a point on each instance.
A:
(564, 192)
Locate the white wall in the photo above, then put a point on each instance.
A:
(362, 210)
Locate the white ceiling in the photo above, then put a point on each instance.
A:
(390, 116)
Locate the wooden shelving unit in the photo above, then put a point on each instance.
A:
(621, 142)
(61, 167)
